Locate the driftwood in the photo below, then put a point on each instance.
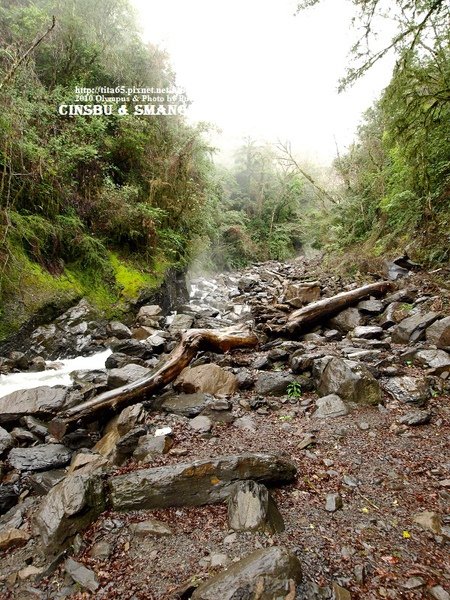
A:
(315, 311)
(112, 400)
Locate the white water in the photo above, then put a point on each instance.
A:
(51, 377)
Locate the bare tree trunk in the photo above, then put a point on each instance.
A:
(312, 313)
(113, 400)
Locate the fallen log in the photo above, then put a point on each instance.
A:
(191, 342)
(310, 314)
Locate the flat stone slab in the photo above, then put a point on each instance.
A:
(40, 458)
(196, 483)
(330, 406)
(267, 573)
(40, 401)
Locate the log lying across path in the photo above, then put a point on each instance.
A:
(191, 342)
(315, 311)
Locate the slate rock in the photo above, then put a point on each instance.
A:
(42, 401)
(81, 575)
(186, 405)
(130, 417)
(209, 379)
(330, 406)
(195, 483)
(439, 333)
(333, 502)
(273, 384)
(436, 360)
(267, 573)
(371, 306)
(40, 458)
(412, 329)
(43, 482)
(350, 380)
(367, 332)
(407, 389)
(118, 330)
(125, 375)
(150, 446)
(148, 314)
(201, 424)
(8, 497)
(298, 294)
(416, 417)
(6, 440)
(150, 527)
(13, 538)
(68, 508)
(347, 320)
(181, 323)
(252, 508)
(244, 379)
(394, 313)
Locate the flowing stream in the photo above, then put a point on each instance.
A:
(51, 377)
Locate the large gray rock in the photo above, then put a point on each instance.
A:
(439, 333)
(118, 330)
(394, 313)
(298, 294)
(81, 575)
(68, 508)
(273, 384)
(367, 332)
(209, 379)
(149, 315)
(347, 320)
(412, 329)
(252, 508)
(181, 323)
(40, 458)
(436, 360)
(42, 401)
(269, 574)
(186, 405)
(371, 306)
(195, 483)
(329, 407)
(6, 440)
(411, 390)
(125, 375)
(350, 380)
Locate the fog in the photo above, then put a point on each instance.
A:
(254, 69)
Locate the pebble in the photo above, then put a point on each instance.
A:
(333, 502)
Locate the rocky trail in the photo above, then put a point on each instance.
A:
(315, 465)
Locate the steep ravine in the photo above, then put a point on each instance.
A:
(347, 425)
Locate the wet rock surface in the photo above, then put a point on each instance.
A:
(170, 495)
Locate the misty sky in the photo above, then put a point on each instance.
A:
(254, 69)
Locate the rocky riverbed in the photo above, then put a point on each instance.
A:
(314, 466)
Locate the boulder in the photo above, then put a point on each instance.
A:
(329, 407)
(298, 294)
(201, 424)
(436, 360)
(371, 306)
(252, 508)
(268, 573)
(181, 323)
(439, 333)
(40, 458)
(347, 320)
(209, 379)
(125, 375)
(350, 380)
(186, 405)
(150, 446)
(411, 390)
(367, 332)
(118, 330)
(67, 509)
(12, 538)
(130, 417)
(81, 575)
(149, 315)
(6, 440)
(273, 384)
(412, 329)
(42, 401)
(394, 313)
(196, 483)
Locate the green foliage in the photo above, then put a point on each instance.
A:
(75, 192)
(294, 389)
